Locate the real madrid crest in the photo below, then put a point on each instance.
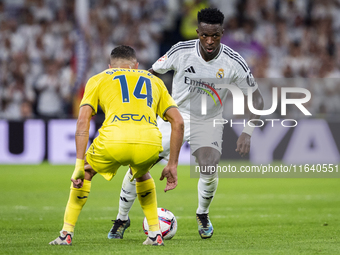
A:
(220, 73)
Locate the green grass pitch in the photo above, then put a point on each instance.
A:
(250, 216)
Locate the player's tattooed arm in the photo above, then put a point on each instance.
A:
(243, 142)
(82, 138)
(82, 133)
(176, 139)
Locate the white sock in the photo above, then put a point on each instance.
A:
(154, 233)
(207, 186)
(127, 196)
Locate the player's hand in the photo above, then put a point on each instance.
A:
(78, 175)
(243, 144)
(170, 173)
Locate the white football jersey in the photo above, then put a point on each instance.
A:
(194, 76)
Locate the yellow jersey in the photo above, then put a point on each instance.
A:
(130, 99)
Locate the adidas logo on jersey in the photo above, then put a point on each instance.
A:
(190, 70)
(215, 143)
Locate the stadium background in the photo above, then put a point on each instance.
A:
(49, 49)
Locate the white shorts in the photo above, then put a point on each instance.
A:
(197, 133)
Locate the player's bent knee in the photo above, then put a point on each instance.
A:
(207, 156)
(144, 177)
(211, 160)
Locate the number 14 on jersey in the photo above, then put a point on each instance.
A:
(138, 89)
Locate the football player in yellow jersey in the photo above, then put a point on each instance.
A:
(130, 99)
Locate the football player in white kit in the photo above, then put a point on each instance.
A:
(192, 62)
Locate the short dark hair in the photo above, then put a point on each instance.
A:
(124, 52)
(210, 16)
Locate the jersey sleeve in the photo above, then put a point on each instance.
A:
(165, 102)
(90, 96)
(244, 77)
(167, 62)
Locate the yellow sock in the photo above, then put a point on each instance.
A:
(146, 192)
(76, 201)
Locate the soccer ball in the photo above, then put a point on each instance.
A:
(167, 222)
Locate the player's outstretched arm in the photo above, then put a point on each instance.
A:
(153, 72)
(176, 140)
(82, 138)
(243, 142)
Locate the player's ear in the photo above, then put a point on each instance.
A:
(110, 66)
(136, 65)
(198, 32)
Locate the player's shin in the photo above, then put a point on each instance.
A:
(146, 192)
(207, 186)
(127, 196)
(76, 201)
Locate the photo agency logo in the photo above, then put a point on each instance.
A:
(293, 143)
(281, 94)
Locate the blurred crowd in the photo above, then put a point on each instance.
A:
(290, 43)
(46, 55)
